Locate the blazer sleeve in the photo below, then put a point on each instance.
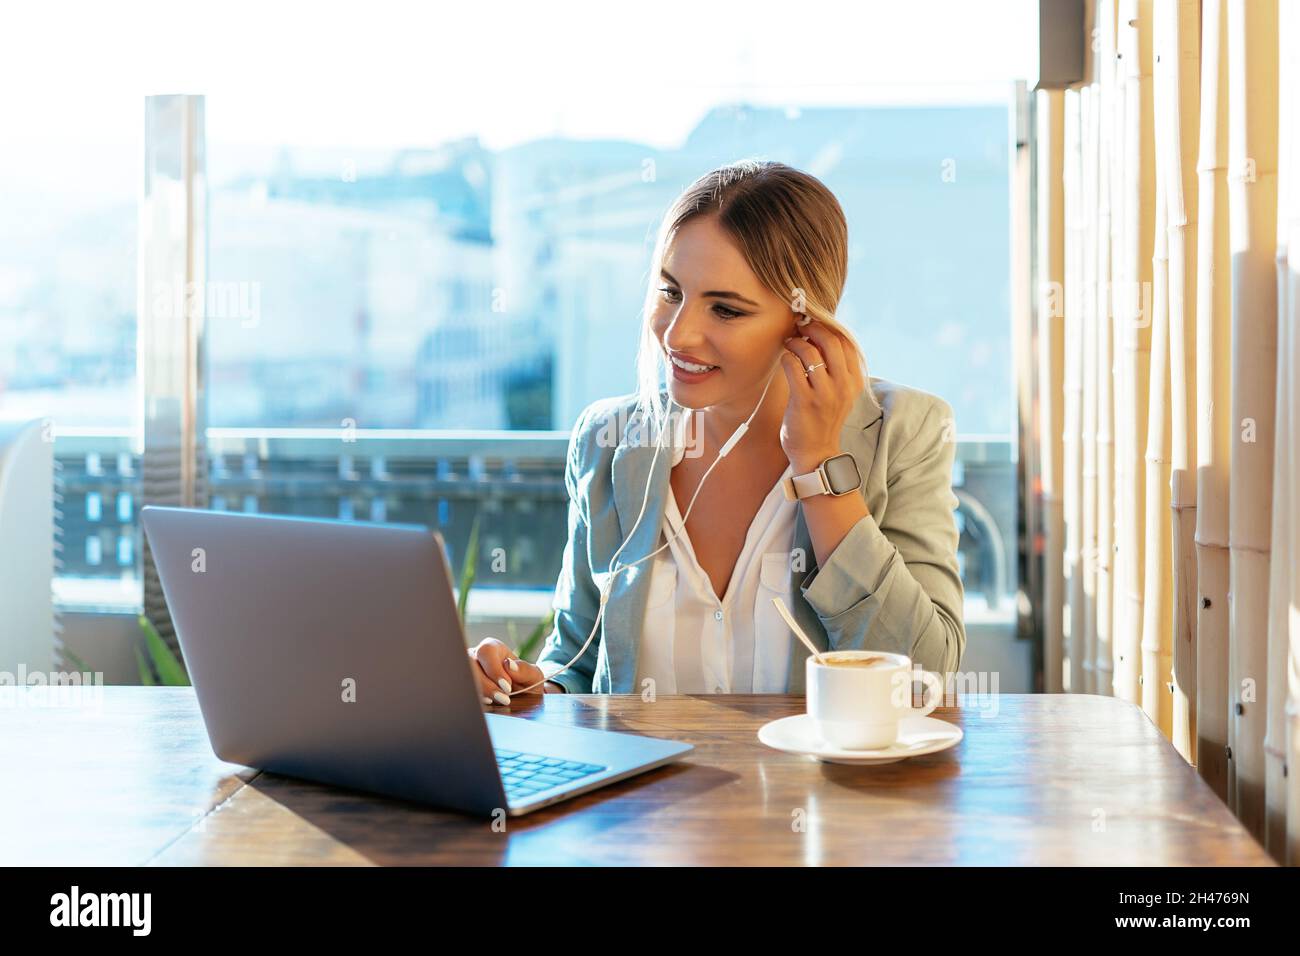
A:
(895, 586)
(576, 597)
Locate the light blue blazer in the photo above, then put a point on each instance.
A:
(892, 583)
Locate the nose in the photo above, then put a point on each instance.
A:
(685, 329)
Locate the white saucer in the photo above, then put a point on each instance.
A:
(916, 736)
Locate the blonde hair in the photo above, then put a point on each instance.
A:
(792, 233)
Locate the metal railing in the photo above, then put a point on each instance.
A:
(512, 480)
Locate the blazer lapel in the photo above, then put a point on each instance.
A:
(625, 608)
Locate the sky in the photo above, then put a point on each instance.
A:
(383, 74)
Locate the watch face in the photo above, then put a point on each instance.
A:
(842, 474)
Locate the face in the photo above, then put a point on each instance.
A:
(710, 309)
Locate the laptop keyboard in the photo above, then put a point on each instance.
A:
(526, 774)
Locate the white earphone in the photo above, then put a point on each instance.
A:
(611, 571)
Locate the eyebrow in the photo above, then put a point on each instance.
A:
(715, 294)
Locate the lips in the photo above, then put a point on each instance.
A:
(687, 357)
(685, 375)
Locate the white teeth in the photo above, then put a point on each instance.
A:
(690, 366)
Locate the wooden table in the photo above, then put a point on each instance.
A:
(1043, 779)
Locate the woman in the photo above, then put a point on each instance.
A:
(748, 271)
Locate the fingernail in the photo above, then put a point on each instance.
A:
(503, 684)
(500, 698)
(487, 701)
(514, 664)
(804, 337)
(786, 339)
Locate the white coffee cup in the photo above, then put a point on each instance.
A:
(858, 707)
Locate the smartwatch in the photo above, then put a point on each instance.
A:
(837, 475)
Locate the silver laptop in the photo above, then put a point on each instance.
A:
(332, 651)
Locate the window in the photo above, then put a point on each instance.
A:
(69, 180)
(421, 267)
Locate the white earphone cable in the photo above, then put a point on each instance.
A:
(611, 571)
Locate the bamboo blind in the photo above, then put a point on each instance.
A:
(1166, 325)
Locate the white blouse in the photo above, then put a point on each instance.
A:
(692, 643)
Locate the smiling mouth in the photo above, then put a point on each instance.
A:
(690, 366)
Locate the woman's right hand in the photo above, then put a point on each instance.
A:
(498, 671)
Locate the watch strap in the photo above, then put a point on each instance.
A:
(804, 486)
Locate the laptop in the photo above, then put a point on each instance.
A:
(333, 651)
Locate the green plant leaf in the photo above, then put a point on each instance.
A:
(146, 672)
(533, 641)
(467, 571)
(170, 670)
(75, 661)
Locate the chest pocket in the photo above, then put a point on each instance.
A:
(772, 636)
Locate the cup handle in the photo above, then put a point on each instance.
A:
(933, 681)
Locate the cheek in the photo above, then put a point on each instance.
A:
(756, 348)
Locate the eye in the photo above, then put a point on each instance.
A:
(720, 310)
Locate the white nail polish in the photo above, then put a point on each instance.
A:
(487, 701)
(513, 664)
(503, 684)
(501, 698)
